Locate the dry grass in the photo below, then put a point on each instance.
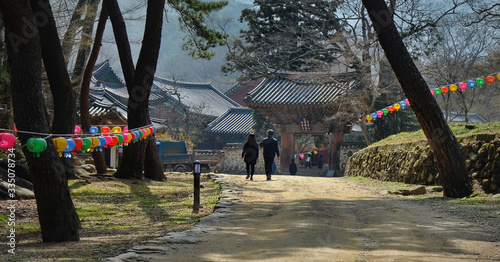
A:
(115, 215)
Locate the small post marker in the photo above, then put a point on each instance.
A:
(196, 174)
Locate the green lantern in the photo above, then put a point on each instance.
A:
(36, 146)
(87, 142)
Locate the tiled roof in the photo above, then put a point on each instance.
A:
(233, 121)
(276, 91)
(106, 84)
(196, 95)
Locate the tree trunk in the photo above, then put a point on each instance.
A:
(98, 157)
(74, 24)
(85, 44)
(450, 162)
(58, 218)
(139, 82)
(60, 84)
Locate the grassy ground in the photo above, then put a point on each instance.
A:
(458, 129)
(115, 214)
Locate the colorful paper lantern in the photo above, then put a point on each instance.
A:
(462, 86)
(60, 143)
(369, 118)
(120, 138)
(479, 82)
(380, 113)
(453, 88)
(137, 135)
(471, 84)
(36, 146)
(407, 102)
(391, 109)
(397, 107)
(432, 93)
(125, 129)
(490, 79)
(7, 140)
(69, 147)
(116, 129)
(114, 141)
(315, 152)
(444, 90)
(87, 142)
(374, 115)
(108, 141)
(498, 77)
(302, 156)
(144, 133)
(105, 129)
(403, 104)
(95, 143)
(385, 111)
(77, 129)
(437, 91)
(78, 145)
(93, 130)
(102, 143)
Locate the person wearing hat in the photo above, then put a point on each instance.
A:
(271, 149)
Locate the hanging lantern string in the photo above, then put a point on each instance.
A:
(490, 79)
(64, 135)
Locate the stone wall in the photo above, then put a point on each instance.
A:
(414, 163)
(232, 162)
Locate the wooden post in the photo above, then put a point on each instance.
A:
(196, 183)
(334, 150)
(287, 149)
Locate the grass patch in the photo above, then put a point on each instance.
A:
(458, 129)
(116, 214)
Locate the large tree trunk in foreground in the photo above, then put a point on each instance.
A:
(98, 157)
(139, 82)
(60, 84)
(450, 162)
(58, 218)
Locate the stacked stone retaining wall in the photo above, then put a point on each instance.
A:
(232, 162)
(414, 163)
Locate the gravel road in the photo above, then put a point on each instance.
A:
(300, 218)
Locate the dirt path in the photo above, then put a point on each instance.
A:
(296, 218)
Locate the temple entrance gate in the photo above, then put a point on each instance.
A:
(298, 107)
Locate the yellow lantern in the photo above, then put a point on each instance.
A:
(397, 106)
(60, 144)
(116, 129)
(453, 88)
(369, 118)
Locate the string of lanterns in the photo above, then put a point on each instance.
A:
(479, 82)
(70, 144)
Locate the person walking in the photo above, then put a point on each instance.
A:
(271, 149)
(308, 161)
(320, 162)
(292, 168)
(250, 155)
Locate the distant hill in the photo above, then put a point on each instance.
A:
(175, 63)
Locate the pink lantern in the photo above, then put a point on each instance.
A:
(108, 140)
(433, 93)
(462, 86)
(380, 114)
(125, 129)
(407, 102)
(77, 129)
(7, 140)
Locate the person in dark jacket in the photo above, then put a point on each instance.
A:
(250, 155)
(293, 167)
(271, 149)
(320, 162)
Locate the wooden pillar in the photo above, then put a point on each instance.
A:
(287, 150)
(334, 150)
